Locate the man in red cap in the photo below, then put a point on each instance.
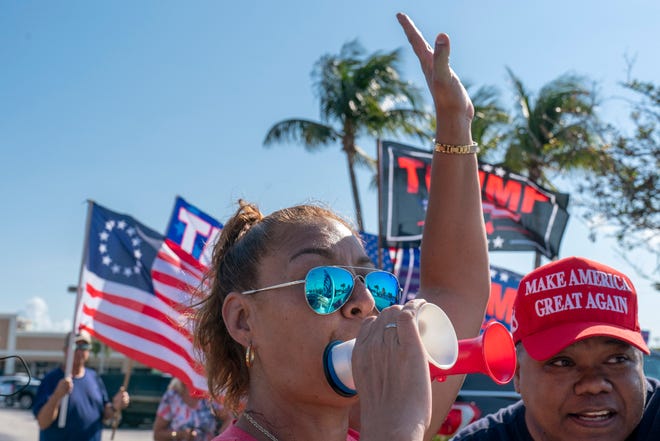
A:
(580, 360)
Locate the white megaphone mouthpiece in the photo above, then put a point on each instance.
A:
(437, 334)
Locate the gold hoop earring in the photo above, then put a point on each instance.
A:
(249, 356)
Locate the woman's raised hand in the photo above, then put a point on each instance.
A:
(453, 107)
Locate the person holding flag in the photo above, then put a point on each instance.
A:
(88, 404)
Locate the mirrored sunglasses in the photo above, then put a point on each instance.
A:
(328, 288)
(83, 346)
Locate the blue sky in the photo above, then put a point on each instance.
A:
(133, 103)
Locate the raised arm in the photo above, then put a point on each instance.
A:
(454, 256)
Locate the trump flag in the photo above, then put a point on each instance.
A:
(193, 230)
(519, 215)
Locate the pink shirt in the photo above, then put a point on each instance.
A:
(234, 433)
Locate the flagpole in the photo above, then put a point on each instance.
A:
(380, 208)
(124, 386)
(68, 368)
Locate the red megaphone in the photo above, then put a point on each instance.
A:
(492, 353)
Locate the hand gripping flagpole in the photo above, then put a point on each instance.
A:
(68, 368)
(124, 386)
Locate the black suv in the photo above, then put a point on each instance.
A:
(15, 389)
(488, 396)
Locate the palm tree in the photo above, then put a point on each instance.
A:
(359, 95)
(559, 131)
(490, 119)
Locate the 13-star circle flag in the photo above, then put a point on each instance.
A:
(137, 290)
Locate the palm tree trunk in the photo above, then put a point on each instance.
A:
(356, 194)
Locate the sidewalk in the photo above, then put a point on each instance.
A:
(20, 425)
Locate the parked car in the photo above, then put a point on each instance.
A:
(145, 389)
(18, 389)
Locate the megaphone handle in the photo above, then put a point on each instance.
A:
(437, 374)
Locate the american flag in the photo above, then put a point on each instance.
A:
(137, 289)
(403, 262)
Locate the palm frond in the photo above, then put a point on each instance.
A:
(312, 135)
(490, 119)
(412, 122)
(362, 159)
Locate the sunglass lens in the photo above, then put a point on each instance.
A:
(384, 287)
(327, 288)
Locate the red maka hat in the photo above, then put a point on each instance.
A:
(571, 299)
